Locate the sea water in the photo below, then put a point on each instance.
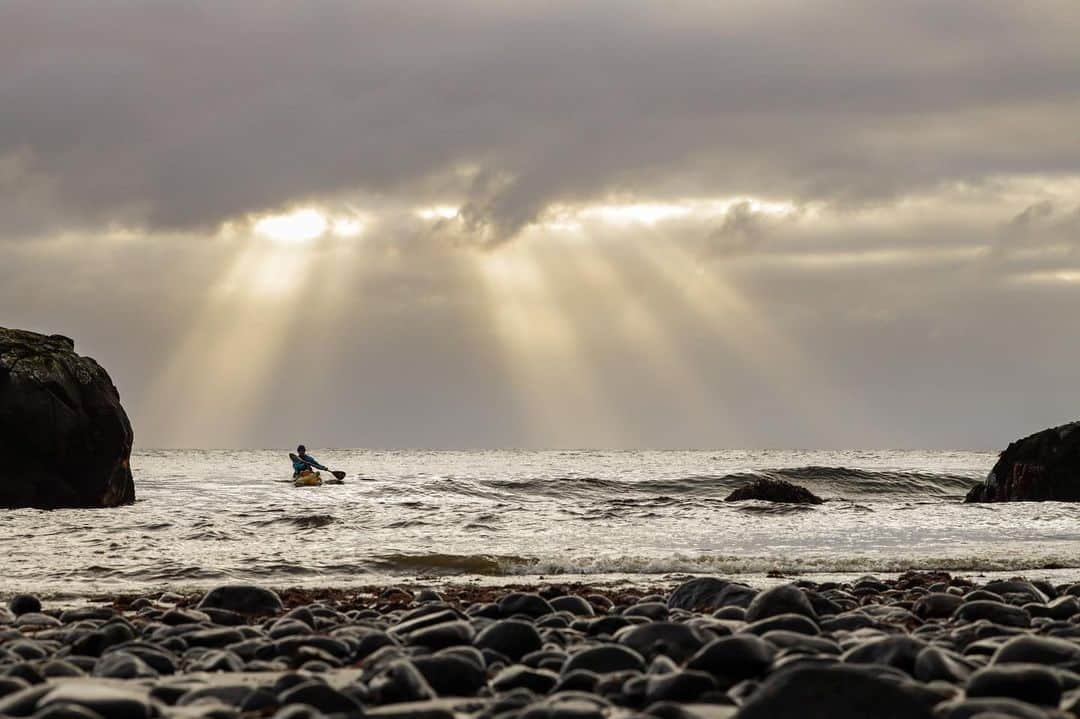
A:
(205, 517)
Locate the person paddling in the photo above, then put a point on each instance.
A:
(302, 462)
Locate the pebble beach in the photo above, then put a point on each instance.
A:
(925, 644)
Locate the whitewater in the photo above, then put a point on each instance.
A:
(203, 517)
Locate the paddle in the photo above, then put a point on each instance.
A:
(338, 474)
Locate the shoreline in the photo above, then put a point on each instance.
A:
(458, 583)
(924, 644)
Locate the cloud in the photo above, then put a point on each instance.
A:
(182, 116)
(767, 223)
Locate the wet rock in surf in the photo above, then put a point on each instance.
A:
(60, 414)
(1044, 466)
(774, 490)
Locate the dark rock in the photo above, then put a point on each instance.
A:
(774, 490)
(286, 627)
(57, 668)
(783, 622)
(987, 708)
(1022, 587)
(67, 711)
(23, 702)
(121, 665)
(783, 599)
(1029, 649)
(400, 682)
(1062, 607)
(605, 659)
(60, 414)
(317, 694)
(899, 651)
(428, 615)
(24, 670)
(690, 710)
(678, 641)
(732, 659)
(10, 685)
(439, 636)
(837, 692)
(531, 605)
(160, 659)
(1033, 684)
(996, 612)
(937, 663)
(68, 616)
(539, 681)
(259, 700)
(701, 594)
(231, 694)
(654, 611)
(607, 625)
(451, 675)
(797, 641)
(217, 660)
(24, 603)
(574, 604)
(298, 711)
(848, 622)
(571, 705)
(36, 620)
(1044, 466)
(214, 638)
(242, 598)
(680, 686)
(937, 605)
(108, 701)
(510, 637)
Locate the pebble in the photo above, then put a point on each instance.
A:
(921, 646)
(783, 599)
(243, 599)
(512, 638)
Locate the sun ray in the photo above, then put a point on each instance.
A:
(220, 371)
(601, 269)
(542, 353)
(763, 352)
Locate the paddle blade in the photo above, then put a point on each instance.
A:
(339, 474)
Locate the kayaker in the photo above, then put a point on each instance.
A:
(303, 462)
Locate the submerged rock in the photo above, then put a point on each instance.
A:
(60, 415)
(1044, 466)
(774, 490)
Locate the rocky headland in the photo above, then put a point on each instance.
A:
(64, 437)
(1044, 466)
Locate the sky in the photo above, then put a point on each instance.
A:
(598, 224)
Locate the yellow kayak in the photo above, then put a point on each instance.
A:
(308, 478)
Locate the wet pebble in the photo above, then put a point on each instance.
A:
(708, 649)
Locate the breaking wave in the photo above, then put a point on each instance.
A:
(509, 565)
(827, 481)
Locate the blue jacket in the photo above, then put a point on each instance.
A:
(306, 462)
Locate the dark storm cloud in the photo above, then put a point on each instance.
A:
(182, 115)
(875, 238)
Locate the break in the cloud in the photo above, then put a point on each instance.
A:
(533, 223)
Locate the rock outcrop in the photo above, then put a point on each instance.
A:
(1042, 467)
(65, 440)
(774, 490)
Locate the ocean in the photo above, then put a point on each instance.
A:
(206, 517)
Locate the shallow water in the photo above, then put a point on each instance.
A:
(207, 516)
